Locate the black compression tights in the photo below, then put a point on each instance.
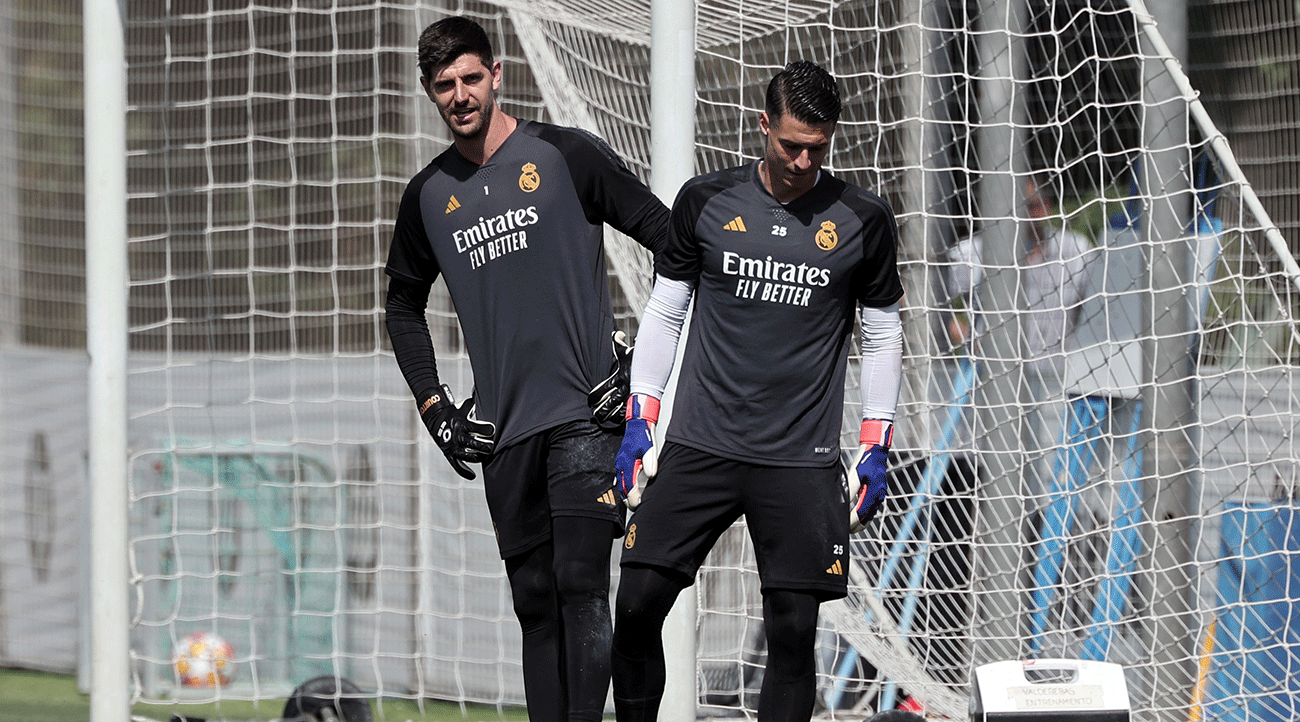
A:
(561, 597)
(645, 594)
(790, 678)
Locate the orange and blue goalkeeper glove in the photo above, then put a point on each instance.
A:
(637, 457)
(867, 484)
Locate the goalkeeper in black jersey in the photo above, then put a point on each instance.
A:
(511, 216)
(779, 256)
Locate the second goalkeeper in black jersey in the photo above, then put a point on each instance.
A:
(779, 256)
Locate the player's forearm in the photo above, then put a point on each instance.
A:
(882, 361)
(409, 332)
(659, 334)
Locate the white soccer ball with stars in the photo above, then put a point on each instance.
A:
(204, 659)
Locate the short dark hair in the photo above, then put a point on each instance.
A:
(806, 91)
(444, 41)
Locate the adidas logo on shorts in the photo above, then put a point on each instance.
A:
(608, 498)
(836, 569)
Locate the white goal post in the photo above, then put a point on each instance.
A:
(255, 468)
(106, 344)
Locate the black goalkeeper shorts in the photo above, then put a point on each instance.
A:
(566, 470)
(798, 518)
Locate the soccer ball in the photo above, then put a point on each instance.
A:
(204, 659)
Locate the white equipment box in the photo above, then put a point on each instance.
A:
(1047, 690)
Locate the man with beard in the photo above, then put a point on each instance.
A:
(511, 216)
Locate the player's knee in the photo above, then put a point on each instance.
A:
(532, 591)
(633, 614)
(535, 610)
(791, 621)
(645, 595)
(582, 580)
(581, 559)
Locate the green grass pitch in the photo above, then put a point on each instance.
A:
(27, 696)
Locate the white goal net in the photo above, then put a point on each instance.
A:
(1096, 449)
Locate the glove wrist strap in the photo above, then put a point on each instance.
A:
(438, 400)
(643, 406)
(876, 432)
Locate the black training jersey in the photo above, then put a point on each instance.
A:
(520, 244)
(777, 287)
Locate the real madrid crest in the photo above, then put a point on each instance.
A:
(826, 237)
(529, 181)
(630, 541)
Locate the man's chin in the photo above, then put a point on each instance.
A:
(474, 129)
(799, 184)
(468, 132)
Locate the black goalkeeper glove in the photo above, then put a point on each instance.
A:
(461, 437)
(608, 399)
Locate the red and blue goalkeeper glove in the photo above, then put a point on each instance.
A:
(461, 437)
(637, 456)
(867, 485)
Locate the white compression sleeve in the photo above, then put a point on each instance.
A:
(882, 361)
(657, 338)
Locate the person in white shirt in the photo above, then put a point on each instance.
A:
(1054, 278)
